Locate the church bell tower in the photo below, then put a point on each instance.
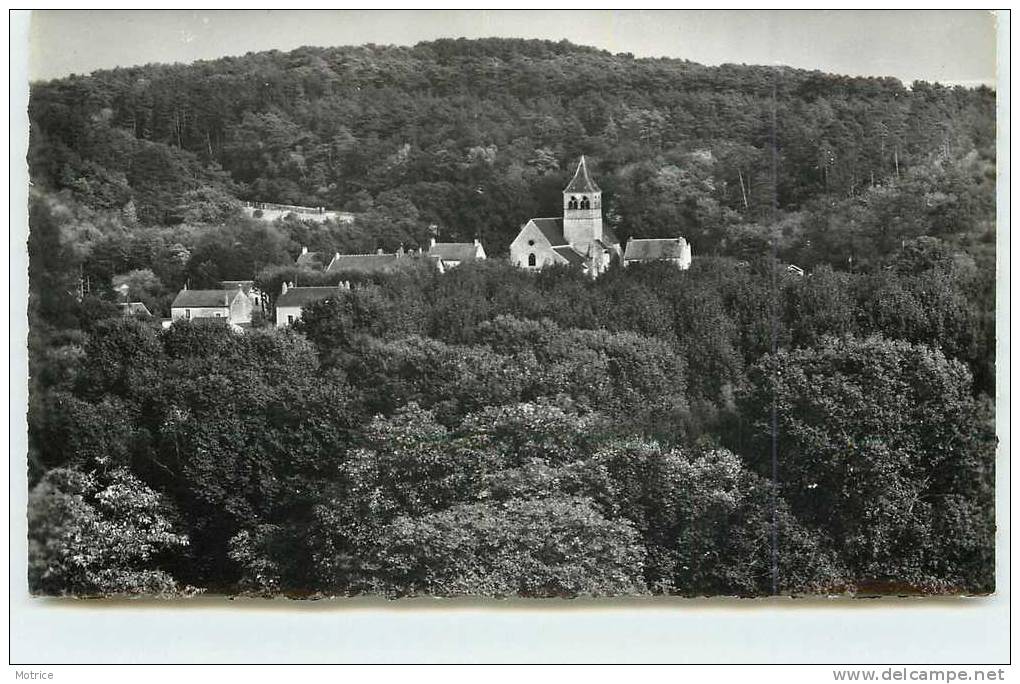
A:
(582, 210)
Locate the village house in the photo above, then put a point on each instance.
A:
(311, 260)
(454, 253)
(578, 239)
(292, 300)
(248, 287)
(380, 262)
(676, 251)
(233, 305)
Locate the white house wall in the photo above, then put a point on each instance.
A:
(240, 309)
(282, 312)
(201, 312)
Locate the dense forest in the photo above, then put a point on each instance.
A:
(490, 431)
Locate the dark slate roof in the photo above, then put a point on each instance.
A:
(552, 229)
(453, 251)
(570, 254)
(195, 299)
(654, 249)
(581, 182)
(234, 284)
(311, 260)
(300, 296)
(364, 263)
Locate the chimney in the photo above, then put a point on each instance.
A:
(304, 250)
(379, 251)
(432, 242)
(477, 243)
(400, 252)
(283, 290)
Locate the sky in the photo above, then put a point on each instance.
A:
(955, 47)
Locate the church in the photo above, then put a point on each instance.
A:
(578, 239)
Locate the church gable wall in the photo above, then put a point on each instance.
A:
(520, 250)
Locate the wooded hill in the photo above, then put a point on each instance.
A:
(477, 136)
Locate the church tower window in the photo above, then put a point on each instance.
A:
(581, 225)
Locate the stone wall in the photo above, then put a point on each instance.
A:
(271, 212)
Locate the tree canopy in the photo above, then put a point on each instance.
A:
(488, 430)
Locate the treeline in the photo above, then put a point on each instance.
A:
(479, 136)
(496, 432)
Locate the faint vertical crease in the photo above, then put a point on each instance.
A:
(774, 347)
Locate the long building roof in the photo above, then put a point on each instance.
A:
(454, 251)
(570, 254)
(196, 299)
(364, 263)
(311, 259)
(300, 296)
(654, 249)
